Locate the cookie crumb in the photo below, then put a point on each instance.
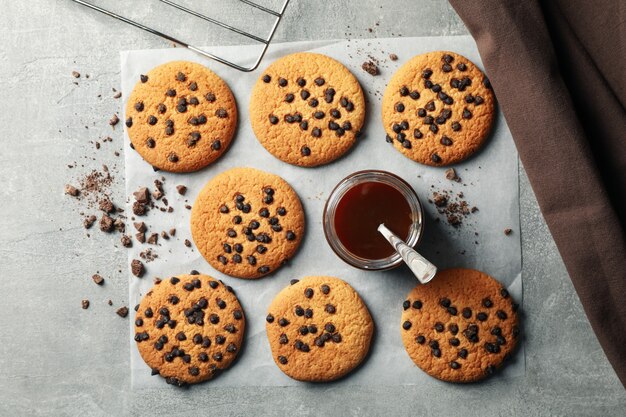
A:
(85, 304)
(106, 205)
(370, 67)
(508, 231)
(172, 232)
(75, 74)
(452, 175)
(114, 120)
(71, 190)
(97, 279)
(126, 241)
(393, 57)
(140, 226)
(141, 237)
(153, 238)
(137, 268)
(181, 189)
(187, 243)
(89, 221)
(117, 95)
(122, 312)
(106, 223)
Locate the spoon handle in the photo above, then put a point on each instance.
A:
(421, 267)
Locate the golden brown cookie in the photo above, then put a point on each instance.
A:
(181, 116)
(460, 326)
(438, 108)
(188, 328)
(247, 223)
(307, 109)
(319, 329)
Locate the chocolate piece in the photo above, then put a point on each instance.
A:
(370, 67)
(137, 268)
(122, 312)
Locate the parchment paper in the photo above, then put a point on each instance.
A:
(489, 182)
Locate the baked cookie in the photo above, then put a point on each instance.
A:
(188, 328)
(438, 108)
(460, 326)
(247, 223)
(319, 329)
(307, 109)
(181, 116)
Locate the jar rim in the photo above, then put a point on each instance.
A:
(417, 212)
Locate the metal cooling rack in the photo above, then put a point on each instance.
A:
(278, 15)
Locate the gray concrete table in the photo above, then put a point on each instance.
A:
(56, 359)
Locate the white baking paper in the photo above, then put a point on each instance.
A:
(489, 182)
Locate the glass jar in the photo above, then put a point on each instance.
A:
(415, 231)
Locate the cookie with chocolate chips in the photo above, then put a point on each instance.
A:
(459, 327)
(181, 116)
(319, 329)
(438, 108)
(247, 223)
(307, 109)
(188, 328)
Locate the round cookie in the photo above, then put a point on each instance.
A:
(181, 116)
(319, 329)
(307, 109)
(438, 108)
(247, 223)
(188, 328)
(460, 326)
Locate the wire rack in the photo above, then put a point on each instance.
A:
(277, 14)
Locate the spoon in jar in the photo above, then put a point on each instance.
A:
(421, 267)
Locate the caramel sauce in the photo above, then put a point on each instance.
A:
(359, 212)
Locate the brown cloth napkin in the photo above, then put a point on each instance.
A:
(558, 69)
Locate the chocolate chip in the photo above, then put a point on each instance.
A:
(504, 293)
(439, 327)
(406, 325)
(446, 67)
(330, 308)
(456, 126)
(319, 115)
(289, 98)
(455, 365)
(399, 107)
(170, 92)
(316, 133)
(172, 157)
(417, 304)
(487, 302)
(461, 66)
(214, 319)
(453, 328)
(436, 353)
(210, 97)
(122, 312)
(406, 144)
(482, 316)
(421, 112)
(282, 82)
(420, 339)
(267, 78)
(463, 353)
(501, 314)
(282, 360)
(221, 113)
(325, 289)
(308, 292)
(436, 88)
(406, 304)
(150, 143)
(151, 121)
(446, 141)
(263, 270)
(85, 304)
(308, 313)
(444, 302)
(404, 91)
(216, 145)
(143, 78)
(466, 113)
(305, 151)
(283, 322)
(427, 73)
(435, 158)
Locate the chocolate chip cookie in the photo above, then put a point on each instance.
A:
(181, 116)
(247, 223)
(307, 109)
(188, 328)
(438, 108)
(459, 327)
(319, 329)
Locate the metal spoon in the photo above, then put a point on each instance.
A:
(421, 267)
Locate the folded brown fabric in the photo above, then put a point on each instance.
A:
(559, 71)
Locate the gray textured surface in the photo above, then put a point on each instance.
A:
(56, 359)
